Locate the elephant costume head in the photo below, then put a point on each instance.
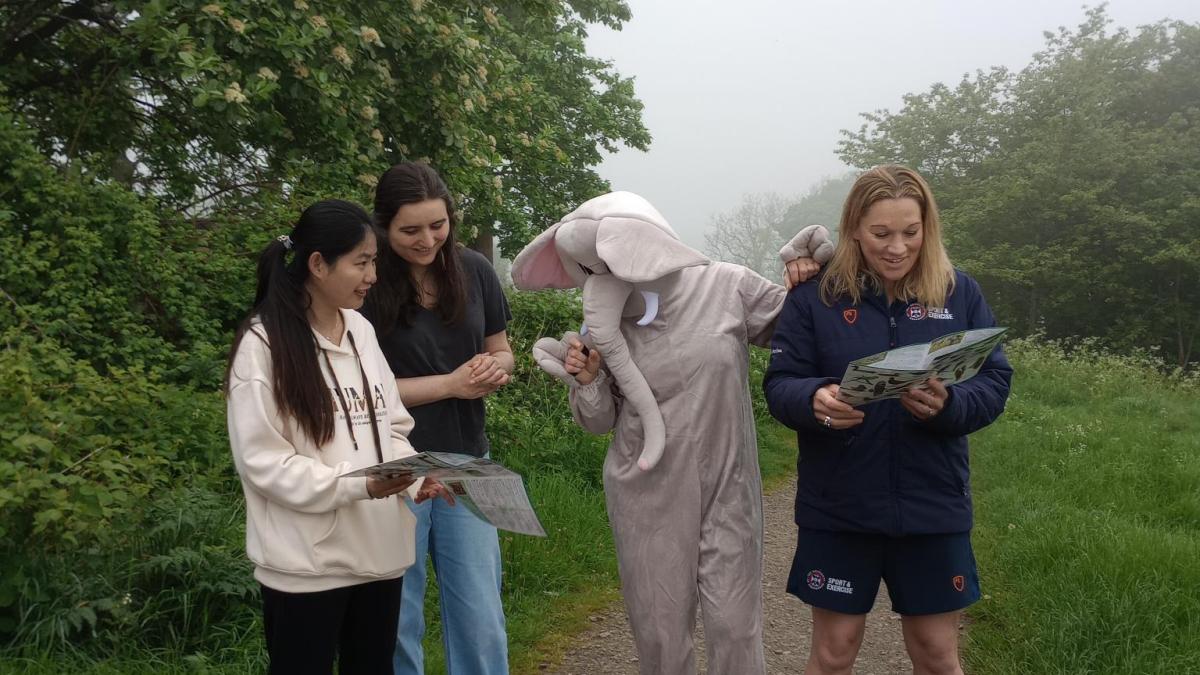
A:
(609, 247)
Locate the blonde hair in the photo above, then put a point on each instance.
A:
(932, 277)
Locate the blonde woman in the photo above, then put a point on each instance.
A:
(883, 490)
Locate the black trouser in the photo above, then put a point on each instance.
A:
(357, 624)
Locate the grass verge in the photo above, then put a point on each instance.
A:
(1087, 498)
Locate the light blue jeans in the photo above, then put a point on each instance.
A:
(466, 561)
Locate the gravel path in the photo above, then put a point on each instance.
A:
(607, 647)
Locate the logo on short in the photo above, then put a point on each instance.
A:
(850, 315)
(959, 583)
(816, 580)
(915, 311)
(839, 586)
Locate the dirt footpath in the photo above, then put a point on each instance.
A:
(607, 647)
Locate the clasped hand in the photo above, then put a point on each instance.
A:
(479, 376)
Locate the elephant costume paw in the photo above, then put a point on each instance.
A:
(550, 355)
(812, 242)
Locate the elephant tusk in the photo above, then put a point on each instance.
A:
(583, 329)
(651, 307)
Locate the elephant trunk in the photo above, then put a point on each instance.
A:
(604, 297)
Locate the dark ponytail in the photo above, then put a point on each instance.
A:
(396, 299)
(331, 228)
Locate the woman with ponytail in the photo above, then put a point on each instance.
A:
(310, 398)
(442, 318)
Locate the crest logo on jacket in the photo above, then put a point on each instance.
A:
(959, 583)
(850, 315)
(915, 312)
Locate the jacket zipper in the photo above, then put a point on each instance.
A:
(893, 340)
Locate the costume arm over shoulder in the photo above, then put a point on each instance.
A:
(269, 463)
(791, 381)
(762, 301)
(976, 403)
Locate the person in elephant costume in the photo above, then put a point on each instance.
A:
(681, 476)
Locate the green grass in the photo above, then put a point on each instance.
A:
(1087, 497)
(550, 583)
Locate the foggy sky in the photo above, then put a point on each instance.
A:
(749, 96)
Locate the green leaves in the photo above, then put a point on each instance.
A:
(150, 148)
(214, 101)
(1063, 186)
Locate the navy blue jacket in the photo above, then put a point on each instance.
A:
(892, 474)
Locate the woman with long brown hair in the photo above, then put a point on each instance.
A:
(442, 316)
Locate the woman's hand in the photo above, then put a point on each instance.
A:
(432, 488)
(379, 487)
(584, 366)
(467, 384)
(832, 413)
(487, 370)
(926, 402)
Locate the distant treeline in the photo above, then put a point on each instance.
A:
(1070, 189)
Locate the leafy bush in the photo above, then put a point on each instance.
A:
(529, 422)
(91, 266)
(87, 464)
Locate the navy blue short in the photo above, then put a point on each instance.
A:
(925, 574)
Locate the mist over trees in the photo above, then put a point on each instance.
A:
(1070, 189)
(821, 205)
(749, 234)
(753, 232)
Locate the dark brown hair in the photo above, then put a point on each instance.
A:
(395, 298)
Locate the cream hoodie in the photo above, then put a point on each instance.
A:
(306, 529)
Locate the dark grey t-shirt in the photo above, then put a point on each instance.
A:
(430, 347)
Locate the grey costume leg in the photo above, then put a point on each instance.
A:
(730, 574)
(656, 526)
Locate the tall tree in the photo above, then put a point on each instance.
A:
(1072, 189)
(207, 105)
(749, 234)
(821, 205)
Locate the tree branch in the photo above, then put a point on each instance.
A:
(84, 9)
(22, 312)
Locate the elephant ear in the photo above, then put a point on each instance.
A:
(539, 266)
(638, 250)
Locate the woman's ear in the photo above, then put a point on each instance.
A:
(317, 266)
